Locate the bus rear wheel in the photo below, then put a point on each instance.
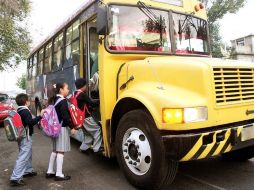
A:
(241, 155)
(141, 154)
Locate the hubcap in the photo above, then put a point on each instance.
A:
(136, 151)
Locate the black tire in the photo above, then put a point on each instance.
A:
(162, 171)
(241, 155)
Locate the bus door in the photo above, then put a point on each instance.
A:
(92, 66)
(92, 55)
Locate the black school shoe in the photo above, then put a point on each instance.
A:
(32, 174)
(65, 178)
(16, 183)
(88, 151)
(100, 151)
(49, 176)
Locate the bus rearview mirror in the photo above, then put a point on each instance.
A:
(102, 20)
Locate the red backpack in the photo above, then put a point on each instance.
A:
(77, 115)
(13, 125)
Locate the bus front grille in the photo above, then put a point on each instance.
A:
(233, 85)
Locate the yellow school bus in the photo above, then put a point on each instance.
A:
(163, 98)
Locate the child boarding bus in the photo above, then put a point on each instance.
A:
(163, 99)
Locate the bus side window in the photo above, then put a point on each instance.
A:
(34, 71)
(40, 64)
(57, 52)
(28, 68)
(72, 47)
(48, 58)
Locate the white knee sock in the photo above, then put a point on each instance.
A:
(59, 165)
(52, 160)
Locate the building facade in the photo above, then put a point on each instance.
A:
(243, 48)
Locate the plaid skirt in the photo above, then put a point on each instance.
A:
(62, 142)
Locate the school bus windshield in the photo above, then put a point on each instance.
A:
(131, 29)
(190, 34)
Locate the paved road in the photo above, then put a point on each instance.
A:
(90, 172)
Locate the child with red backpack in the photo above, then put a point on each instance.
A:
(23, 166)
(93, 137)
(61, 143)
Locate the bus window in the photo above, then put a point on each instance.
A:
(40, 65)
(72, 49)
(48, 58)
(75, 52)
(93, 50)
(29, 68)
(58, 52)
(34, 71)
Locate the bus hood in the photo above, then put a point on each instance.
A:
(225, 87)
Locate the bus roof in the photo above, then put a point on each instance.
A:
(69, 20)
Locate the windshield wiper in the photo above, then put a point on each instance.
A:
(151, 15)
(147, 11)
(189, 19)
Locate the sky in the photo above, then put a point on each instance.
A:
(47, 15)
(237, 25)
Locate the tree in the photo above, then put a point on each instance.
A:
(14, 36)
(21, 83)
(216, 10)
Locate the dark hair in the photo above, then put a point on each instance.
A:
(51, 100)
(59, 86)
(80, 83)
(56, 89)
(21, 99)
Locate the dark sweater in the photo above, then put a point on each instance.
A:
(83, 99)
(63, 113)
(28, 120)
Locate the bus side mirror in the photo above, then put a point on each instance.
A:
(102, 20)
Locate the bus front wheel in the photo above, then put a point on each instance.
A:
(141, 154)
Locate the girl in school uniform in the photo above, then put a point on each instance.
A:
(61, 144)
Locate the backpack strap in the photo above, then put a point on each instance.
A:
(78, 93)
(26, 127)
(58, 101)
(21, 109)
(86, 109)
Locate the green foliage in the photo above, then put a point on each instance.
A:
(14, 36)
(215, 40)
(21, 82)
(216, 9)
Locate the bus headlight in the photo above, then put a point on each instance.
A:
(184, 115)
(195, 114)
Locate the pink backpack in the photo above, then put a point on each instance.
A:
(49, 122)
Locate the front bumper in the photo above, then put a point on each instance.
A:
(207, 143)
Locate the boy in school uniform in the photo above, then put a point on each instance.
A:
(93, 130)
(23, 166)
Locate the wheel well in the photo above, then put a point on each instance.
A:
(124, 106)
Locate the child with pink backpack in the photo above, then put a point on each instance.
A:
(55, 123)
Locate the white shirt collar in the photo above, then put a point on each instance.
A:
(59, 95)
(23, 107)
